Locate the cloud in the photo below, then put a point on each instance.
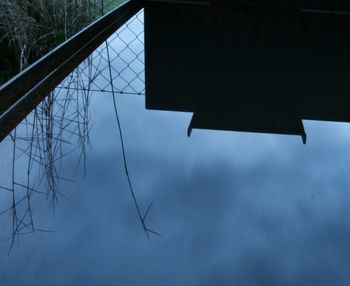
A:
(232, 208)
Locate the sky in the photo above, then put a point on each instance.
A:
(232, 208)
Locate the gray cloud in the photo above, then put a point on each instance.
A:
(233, 208)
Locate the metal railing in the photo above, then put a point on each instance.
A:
(24, 92)
(44, 111)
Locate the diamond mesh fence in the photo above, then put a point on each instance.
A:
(32, 154)
(126, 50)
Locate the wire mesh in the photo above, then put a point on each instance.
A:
(126, 48)
(60, 125)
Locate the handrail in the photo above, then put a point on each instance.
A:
(20, 95)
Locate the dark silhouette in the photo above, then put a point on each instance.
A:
(256, 66)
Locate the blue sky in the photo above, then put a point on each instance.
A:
(232, 208)
(250, 209)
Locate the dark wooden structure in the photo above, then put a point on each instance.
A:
(256, 66)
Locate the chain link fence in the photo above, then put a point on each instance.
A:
(126, 50)
(32, 154)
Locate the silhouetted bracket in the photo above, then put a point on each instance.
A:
(190, 128)
(249, 65)
(304, 137)
(20, 95)
(287, 125)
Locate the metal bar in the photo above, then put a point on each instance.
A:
(23, 93)
(325, 12)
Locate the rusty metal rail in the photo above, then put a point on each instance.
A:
(20, 95)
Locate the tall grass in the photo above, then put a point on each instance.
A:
(31, 28)
(28, 30)
(60, 124)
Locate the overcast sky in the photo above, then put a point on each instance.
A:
(233, 208)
